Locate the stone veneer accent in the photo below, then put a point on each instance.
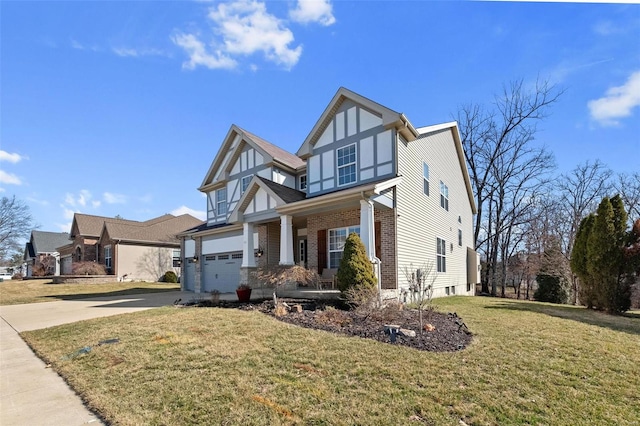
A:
(385, 216)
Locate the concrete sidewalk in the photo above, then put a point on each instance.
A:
(30, 393)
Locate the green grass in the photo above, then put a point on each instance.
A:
(530, 363)
(16, 292)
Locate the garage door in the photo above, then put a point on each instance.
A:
(221, 271)
(189, 275)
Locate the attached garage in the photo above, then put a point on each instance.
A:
(189, 275)
(221, 271)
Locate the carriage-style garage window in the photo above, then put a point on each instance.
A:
(337, 238)
(346, 165)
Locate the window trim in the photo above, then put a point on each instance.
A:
(221, 201)
(444, 196)
(244, 187)
(425, 177)
(349, 230)
(176, 260)
(441, 255)
(343, 166)
(108, 260)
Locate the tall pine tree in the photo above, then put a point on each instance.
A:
(587, 291)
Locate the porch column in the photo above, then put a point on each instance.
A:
(367, 232)
(286, 240)
(248, 259)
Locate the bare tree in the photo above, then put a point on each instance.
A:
(628, 186)
(421, 285)
(16, 224)
(155, 262)
(504, 167)
(580, 192)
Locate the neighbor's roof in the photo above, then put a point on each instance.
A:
(91, 226)
(161, 229)
(47, 242)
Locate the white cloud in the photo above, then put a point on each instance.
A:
(67, 213)
(79, 46)
(200, 55)
(80, 200)
(617, 103)
(9, 178)
(10, 157)
(309, 11)
(111, 198)
(240, 28)
(202, 215)
(95, 204)
(64, 227)
(130, 52)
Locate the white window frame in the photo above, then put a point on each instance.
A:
(343, 166)
(425, 176)
(108, 260)
(219, 201)
(441, 255)
(337, 245)
(176, 258)
(245, 183)
(301, 185)
(444, 196)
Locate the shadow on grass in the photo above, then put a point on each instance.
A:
(115, 293)
(627, 323)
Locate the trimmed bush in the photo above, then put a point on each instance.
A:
(550, 289)
(88, 268)
(355, 268)
(170, 277)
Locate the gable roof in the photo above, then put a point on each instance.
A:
(91, 226)
(47, 242)
(232, 147)
(282, 194)
(390, 119)
(162, 229)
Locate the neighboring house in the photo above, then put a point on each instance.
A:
(129, 249)
(41, 253)
(363, 168)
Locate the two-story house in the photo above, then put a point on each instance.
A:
(363, 168)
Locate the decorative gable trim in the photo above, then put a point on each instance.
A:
(256, 187)
(390, 119)
(229, 144)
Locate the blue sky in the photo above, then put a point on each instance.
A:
(118, 108)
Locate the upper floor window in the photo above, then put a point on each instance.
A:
(425, 175)
(460, 237)
(221, 201)
(245, 182)
(337, 238)
(346, 165)
(441, 256)
(444, 196)
(302, 182)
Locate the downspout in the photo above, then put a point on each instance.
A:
(374, 259)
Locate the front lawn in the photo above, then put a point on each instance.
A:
(529, 363)
(16, 292)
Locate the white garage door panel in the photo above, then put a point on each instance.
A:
(189, 276)
(228, 243)
(221, 272)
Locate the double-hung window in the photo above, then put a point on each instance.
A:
(444, 196)
(107, 256)
(425, 174)
(441, 256)
(221, 202)
(346, 165)
(337, 238)
(302, 182)
(245, 183)
(176, 258)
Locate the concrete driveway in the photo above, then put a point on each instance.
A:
(31, 393)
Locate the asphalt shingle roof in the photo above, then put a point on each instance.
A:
(276, 152)
(48, 242)
(288, 195)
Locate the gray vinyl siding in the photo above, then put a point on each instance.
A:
(421, 219)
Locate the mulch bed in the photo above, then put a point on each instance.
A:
(449, 332)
